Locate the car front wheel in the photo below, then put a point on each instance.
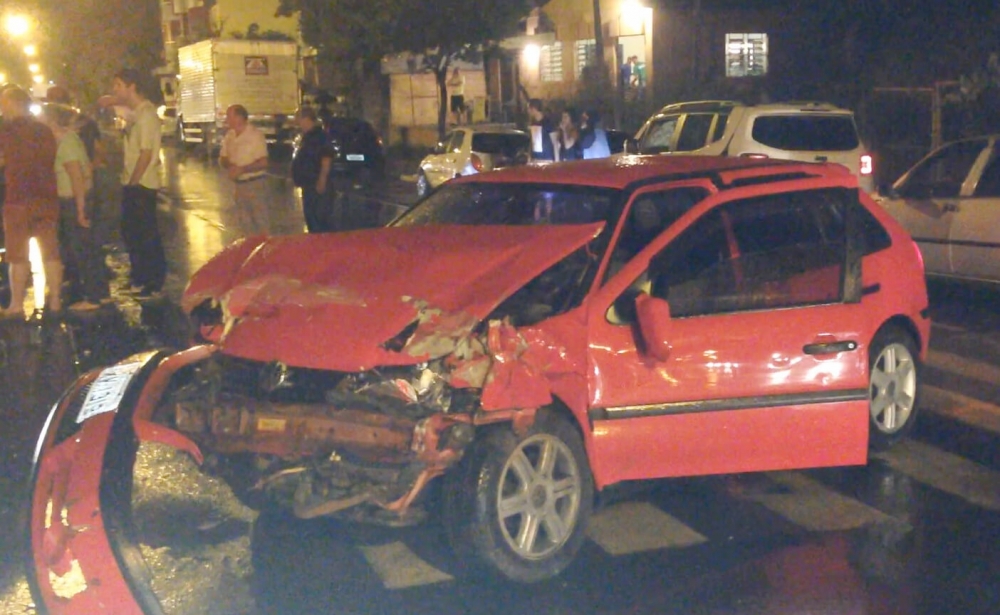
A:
(892, 386)
(519, 505)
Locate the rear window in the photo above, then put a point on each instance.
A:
(494, 143)
(806, 133)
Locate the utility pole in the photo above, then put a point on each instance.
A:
(599, 38)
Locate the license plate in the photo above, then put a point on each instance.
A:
(356, 157)
(107, 391)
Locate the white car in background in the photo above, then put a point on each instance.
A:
(803, 131)
(950, 203)
(467, 150)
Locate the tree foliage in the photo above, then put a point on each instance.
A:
(440, 31)
(83, 43)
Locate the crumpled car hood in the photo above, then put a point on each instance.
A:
(333, 301)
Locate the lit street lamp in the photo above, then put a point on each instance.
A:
(17, 25)
(30, 50)
(34, 68)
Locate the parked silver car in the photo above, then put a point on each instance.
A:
(467, 150)
(950, 203)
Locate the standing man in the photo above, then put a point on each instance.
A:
(544, 135)
(140, 180)
(31, 206)
(244, 157)
(456, 91)
(311, 169)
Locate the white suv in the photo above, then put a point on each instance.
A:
(804, 131)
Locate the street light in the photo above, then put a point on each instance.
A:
(34, 68)
(17, 25)
(30, 50)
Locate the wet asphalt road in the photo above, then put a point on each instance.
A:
(916, 531)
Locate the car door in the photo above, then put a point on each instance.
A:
(975, 231)
(928, 196)
(760, 365)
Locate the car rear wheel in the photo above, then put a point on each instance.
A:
(519, 505)
(892, 386)
(423, 186)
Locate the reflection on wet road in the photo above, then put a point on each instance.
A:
(914, 532)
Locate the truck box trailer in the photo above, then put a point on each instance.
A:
(263, 76)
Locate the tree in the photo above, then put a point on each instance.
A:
(456, 30)
(351, 36)
(440, 32)
(85, 42)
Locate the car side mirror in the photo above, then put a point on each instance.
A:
(653, 315)
(439, 148)
(631, 146)
(887, 190)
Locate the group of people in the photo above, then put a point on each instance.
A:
(577, 136)
(48, 166)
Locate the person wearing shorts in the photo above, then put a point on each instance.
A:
(31, 207)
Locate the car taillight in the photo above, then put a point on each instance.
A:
(476, 162)
(867, 165)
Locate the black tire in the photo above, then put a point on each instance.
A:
(549, 503)
(423, 186)
(893, 376)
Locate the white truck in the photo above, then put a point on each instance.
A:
(263, 76)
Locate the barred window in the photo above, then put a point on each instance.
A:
(550, 65)
(746, 55)
(586, 55)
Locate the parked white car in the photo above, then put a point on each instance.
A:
(467, 150)
(950, 203)
(803, 131)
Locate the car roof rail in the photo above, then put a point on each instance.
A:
(780, 171)
(701, 105)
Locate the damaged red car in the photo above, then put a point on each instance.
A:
(511, 346)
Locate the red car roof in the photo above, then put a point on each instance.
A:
(621, 171)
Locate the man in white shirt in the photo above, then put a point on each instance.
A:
(244, 156)
(140, 182)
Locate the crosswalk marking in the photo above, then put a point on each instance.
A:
(945, 471)
(956, 364)
(961, 408)
(813, 506)
(399, 567)
(632, 527)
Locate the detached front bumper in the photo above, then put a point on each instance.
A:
(80, 558)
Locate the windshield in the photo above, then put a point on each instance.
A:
(511, 204)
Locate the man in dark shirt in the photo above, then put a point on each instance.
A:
(311, 170)
(31, 205)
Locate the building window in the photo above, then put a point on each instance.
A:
(586, 55)
(746, 55)
(550, 62)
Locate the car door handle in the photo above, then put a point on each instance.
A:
(830, 347)
(950, 207)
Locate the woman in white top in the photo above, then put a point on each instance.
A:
(74, 181)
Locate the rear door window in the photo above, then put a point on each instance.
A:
(694, 131)
(498, 143)
(807, 133)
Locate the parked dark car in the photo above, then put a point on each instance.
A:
(359, 153)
